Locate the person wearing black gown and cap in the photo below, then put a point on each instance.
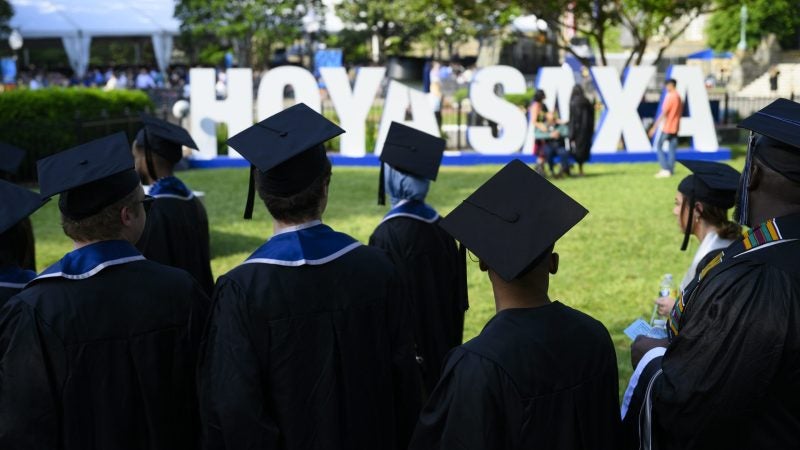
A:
(23, 243)
(729, 376)
(176, 233)
(99, 350)
(428, 262)
(701, 206)
(308, 344)
(16, 204)
(540, 374)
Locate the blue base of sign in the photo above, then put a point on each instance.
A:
(473, 158)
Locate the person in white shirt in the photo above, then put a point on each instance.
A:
(144, 80)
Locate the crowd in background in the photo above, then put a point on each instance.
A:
(143, 77)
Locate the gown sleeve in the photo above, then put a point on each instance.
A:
(32, 364)
(406, 379)
(232, 398)
(469, 409)
(727, 353)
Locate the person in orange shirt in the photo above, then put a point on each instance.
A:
(671, 111)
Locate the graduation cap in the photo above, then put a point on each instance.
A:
(779, 145)
(712, 183)
(89, 177)
(164, 139)
(512, 219)
(10, 158)
(287, 150)
(410, 151)
(16, 203)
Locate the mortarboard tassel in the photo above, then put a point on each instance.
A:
(381, 186)
(251, 195)
(688, 225)
(148, 157)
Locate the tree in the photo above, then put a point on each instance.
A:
(395, 24)
(6, 12)
(781, 17)
(458, 21)
(241, 24)
(650, 23)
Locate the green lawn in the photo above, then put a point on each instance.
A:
(611, 262)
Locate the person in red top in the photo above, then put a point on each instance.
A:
(671, 111)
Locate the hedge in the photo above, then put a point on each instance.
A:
(47, 121)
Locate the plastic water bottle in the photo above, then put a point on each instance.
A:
(665, 289)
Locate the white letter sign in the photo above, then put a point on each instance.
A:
(207, 111)
(510, 120)
(352, 107)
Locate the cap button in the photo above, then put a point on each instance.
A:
(84, 162)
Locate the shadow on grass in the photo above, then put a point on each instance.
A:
(224, 243)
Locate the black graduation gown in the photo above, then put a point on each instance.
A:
(731, 377)
(309, 357)
(105, 362)
(581, 128)
(12, 280)
(540, 378)
(176, 234)
(433, 273)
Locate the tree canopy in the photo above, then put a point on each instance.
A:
(242, 24)
(781, 17)
(6, 11)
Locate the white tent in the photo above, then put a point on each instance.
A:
(76, 22)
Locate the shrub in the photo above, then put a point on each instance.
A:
(521, 100)
(47, 121)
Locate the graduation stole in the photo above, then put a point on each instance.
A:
(413, 209)
(170, 187)
(312, 244)
(91, 259)
(770, 232)
(15, 277)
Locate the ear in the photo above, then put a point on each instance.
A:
(553, 263)
(126, 216)
(327, 185)
(698, 209)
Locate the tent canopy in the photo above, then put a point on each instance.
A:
(94, 18)
(75, 22)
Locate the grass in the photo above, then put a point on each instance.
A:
(611, 262)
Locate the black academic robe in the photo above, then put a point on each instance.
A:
(433, 273)
(535, 378)
(6, 292)
(105, 362)
(581, 127)
(12, 280)
(309, 357)
(176, 234)
(731, 377)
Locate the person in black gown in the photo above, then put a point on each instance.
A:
(428, 262)
(729, 378)
(16, 204)
(541, 374)
(23, 242)
(308, 345)
(176, 233)
(581, 127)
(99, 350)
